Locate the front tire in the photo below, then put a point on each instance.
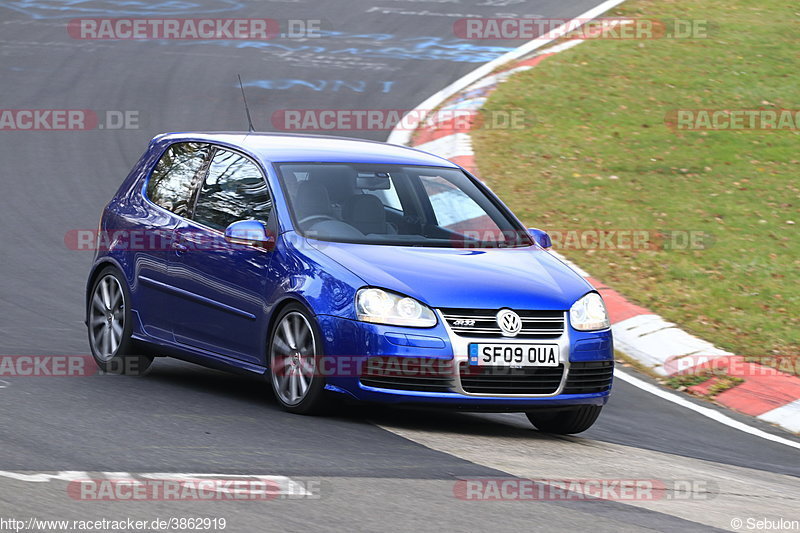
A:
(295, 349)
(567, 421)
(110, 325)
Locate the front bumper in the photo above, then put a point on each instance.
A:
(356, 342)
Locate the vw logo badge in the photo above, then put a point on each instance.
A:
(510, 323)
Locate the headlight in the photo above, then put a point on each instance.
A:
(589, 313)
(384, 307)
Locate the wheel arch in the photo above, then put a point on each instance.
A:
(98, 267)
(279, 306)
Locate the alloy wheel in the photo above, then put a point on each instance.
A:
(107, 317)
(292, 358)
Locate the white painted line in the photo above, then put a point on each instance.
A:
(705, 411)
(403, 136)
(287, 486)
(787, 416)
(563, 46)
(45, 477)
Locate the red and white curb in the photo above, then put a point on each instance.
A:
(660, 345)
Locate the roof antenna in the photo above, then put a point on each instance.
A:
(247, 109)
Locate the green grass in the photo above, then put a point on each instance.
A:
(688, 380)
(722, 382)
(600, 110)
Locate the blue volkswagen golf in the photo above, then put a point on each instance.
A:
(343, 268)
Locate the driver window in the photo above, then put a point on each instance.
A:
(234, 189)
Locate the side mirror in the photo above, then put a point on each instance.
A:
(250, 232)
(541, 237)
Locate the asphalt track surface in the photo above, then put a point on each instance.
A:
(377, 468)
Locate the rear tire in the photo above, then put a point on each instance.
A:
(567, 421)
(110, 325)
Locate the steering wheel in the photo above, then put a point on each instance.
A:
(322, 218)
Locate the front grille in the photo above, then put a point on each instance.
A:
(483, 323)
(589, 377)
(506, 380)
(408, 373)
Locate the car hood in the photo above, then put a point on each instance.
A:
(519, 278)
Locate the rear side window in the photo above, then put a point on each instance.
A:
(175, 176)
(234, 189)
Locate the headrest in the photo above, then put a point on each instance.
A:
(311, 199)
(365, 212)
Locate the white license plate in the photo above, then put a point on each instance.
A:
(513, 355)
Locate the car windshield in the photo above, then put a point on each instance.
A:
(396, 204)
